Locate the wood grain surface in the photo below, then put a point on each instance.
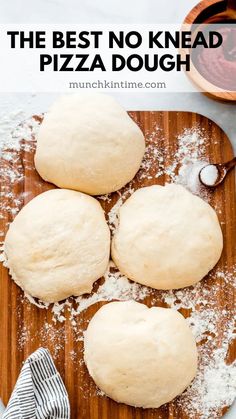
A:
(25, 327)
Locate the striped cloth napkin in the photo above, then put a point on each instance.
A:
(39, 392)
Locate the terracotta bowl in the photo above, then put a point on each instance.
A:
(197, 16)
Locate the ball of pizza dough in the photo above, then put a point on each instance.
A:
(58, 245)
(87, 142)
(140, 356)
(167, 237)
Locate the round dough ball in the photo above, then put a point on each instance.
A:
(166, 238)
(58, 245)
(87, 142)
(140, 356)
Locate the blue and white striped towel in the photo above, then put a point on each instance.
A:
(39, 392)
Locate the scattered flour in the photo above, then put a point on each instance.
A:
(189, 160)
(113, 214)
(209, 174)
(54, 337)
(115, 287)
(15, 141)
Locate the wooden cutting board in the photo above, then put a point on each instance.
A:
(25, 327)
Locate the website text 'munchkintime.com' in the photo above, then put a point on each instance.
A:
(105, 84)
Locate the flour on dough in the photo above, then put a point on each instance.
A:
(88, 142)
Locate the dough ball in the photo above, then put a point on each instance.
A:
(140, 356)
(58, 245)
(87, 142)
(166, 238)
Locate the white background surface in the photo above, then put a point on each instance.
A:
(114, 11)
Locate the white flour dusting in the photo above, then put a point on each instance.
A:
(114, 287)
(188, 160)
(113, 214)
(214, 386)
